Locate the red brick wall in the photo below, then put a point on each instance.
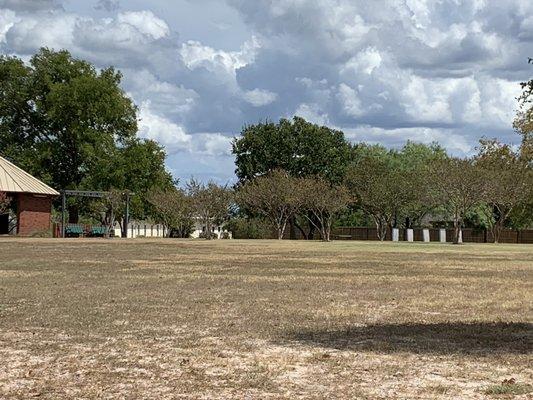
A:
(34, 213)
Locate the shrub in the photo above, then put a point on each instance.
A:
(250, 228)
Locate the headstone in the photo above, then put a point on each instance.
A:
(410, 235)
(442, 235)
(395, 235)
(425, 234)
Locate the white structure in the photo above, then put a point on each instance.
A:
(395, 235)
(219, 230)
(410, 235)
(442, 235)
(425, 234)
(147, 230)
(142, 229)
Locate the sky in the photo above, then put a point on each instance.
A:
(382, 71)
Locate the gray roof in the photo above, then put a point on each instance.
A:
(15, 180)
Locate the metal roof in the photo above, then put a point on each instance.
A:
(15, 180)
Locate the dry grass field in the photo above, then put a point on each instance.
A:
(165, 319)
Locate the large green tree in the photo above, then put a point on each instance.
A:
(459, 185)
(211, 204)
(380, 187)
(60, 117)
(274, 196)
(508, 183)
(414, 162)
(72, 126)
(300, 148)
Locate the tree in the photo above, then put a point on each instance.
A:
(211, 203)
(459, 185)
(508, 183)
(414, 161)
(109, 208)
(64, 114)
(380, 188)
(174, 209)
(139, 168)
(323, 202)
(300, 148)
(72, 126)
(273, 196)
(5, 201)
(524, 119)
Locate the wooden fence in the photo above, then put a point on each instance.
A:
(469, 235)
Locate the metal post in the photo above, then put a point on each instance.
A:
(63, 212)
(127, 216)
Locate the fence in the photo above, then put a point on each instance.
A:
(134, 230)
(469, 235)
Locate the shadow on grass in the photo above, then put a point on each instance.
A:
(440, 338)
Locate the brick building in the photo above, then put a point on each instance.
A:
(32, 199)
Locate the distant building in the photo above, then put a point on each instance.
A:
(32, 200)
(219, 231)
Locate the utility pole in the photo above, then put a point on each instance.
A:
(63, 212)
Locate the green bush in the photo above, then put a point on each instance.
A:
(252, 228)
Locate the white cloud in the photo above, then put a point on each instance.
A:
(29, 33)
(8, 19)
(146, 23)
(365, 61)
(259, 97)
(350, 101)
(107, 5)
(153, 126)
(30, 5)
(312, 113)
(195, 55)
(212, 144)
(385, 71)
(452, 140)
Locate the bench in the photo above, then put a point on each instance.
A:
(343, 237)
(98, 231)
(73, 231)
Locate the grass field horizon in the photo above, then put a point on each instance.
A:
(264, 319)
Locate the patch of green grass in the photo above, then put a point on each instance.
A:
(514, 389)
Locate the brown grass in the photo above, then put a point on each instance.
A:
(167, 319)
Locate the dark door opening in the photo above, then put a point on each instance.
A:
(4, 224)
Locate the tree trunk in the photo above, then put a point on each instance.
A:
(302, 231)
(326, 235)
(456, 230)
(497, 231)
(326, 230)
(381, 227)
(311, 235)
(292, 228)
(281, 230)
(208, 228)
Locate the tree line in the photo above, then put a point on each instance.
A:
(286, 179)
(393, 188)
(73, 127)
